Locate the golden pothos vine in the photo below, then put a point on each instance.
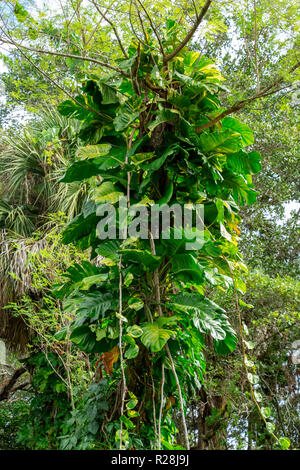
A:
(150, 134)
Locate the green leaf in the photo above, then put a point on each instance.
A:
(109, 95)
(154, 337)
(92, 151)
(109, 249)
(270, 427)
(124, 436)
(106, 192)
(72, 109)
(96, 304)
(62, 333)
(128, 423)
(164, 115)
(219, 141)
(128, 279)
(135, 303)
(243, 304)
(132, 351)
(208, 317)
(125, 117)
(258, 396)
(20, 12)
(284, 443)
(186, 268)
(158, 162)
(245, 132)
(142, 257)
(249, 344)
(83, 338)
(80, 171)
(265, 411)
(135, 331)
(244, 163)
(227, 345)
(132, 403)
(224, 232)
(253, 379)
(141, 157)
(79, 228)
(93, 427)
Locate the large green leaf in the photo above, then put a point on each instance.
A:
(73, 109)
(244, 163)
(237, 126)
(227, 345)
(94, 165)
(125, 117)
(225, 141)
(142, 257)
(164, 115)
(242, 190)
(109, 95)
(92, 151)
(80, 171)
(79, 228)
(207, 317)
(96, 304)
(109, 249)
(106, 192)
(83, 338)
(154, 337)
(186, 268)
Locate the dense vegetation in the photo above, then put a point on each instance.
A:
(134, 342)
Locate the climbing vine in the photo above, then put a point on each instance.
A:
(142, 313)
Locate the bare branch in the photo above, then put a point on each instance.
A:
(152, 26)
(270, 89)
(8, 384)
(195, 8)
(190, 34)
(88, 108)
(61, 54)
(103, 15)
(255, 47)
(161, 404)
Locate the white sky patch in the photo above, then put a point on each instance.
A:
(289, 207)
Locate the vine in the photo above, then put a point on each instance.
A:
(149, 152)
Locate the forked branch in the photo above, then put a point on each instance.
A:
(190, 34)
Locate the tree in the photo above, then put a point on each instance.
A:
(172, 93)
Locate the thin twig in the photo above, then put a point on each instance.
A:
(113, 27)
(124, 386)
(152, 26)
(161, 404)
(154, 415)
(186, 436)
(157, 294)
(61, 54)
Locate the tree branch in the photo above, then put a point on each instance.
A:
(241, 104)
(88, 108)
(103, 15)
(152, 26)
(62, 54)
(190, 34)
(8, 384)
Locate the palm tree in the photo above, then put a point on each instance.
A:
(31, 164)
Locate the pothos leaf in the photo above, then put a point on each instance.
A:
(154, 337)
